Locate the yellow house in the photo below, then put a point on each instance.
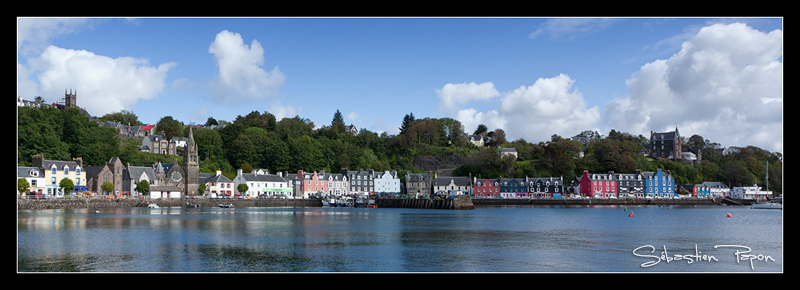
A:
(55, 170)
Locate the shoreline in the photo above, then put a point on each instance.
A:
(136, 202)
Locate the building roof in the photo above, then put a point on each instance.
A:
(26, 172)
(457, 180)
(217, 178)
(262, 177)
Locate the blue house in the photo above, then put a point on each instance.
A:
(659, 184)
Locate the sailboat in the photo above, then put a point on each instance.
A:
(770, 204)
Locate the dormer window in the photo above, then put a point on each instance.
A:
(66, 170)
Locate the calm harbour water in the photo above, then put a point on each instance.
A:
(497, 239)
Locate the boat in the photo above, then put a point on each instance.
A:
(152, 205)
(325, 202)
(226, 205)
(192, 205)
(767, 205)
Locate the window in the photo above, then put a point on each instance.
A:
(66, 170)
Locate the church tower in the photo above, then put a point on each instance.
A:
(191, 166)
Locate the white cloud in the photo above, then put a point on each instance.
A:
(283, 111)
(240, 75)
(453, 95)
(726, 84)
(571, 28)
(103, 84)
(352, 116)
(34, 34)
(536, 112)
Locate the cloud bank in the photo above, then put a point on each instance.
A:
(103, 84)
(240, 75)
(725, 84)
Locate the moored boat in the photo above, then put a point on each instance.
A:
(152, 205)
(767, 205)
(226, 205)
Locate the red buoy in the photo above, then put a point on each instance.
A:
(729, 215)
(630, 215)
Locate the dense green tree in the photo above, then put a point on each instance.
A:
(169, 127)
(22, 185)
(124, 117)
(107, 187)
(66, 185)
(337, 124)
(408, 119)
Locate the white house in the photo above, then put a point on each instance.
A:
(717, 189)
(164, 192)
(35, 178)
(260, 182)
(750, 192)
(387, 182)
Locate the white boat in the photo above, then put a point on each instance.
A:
(152, 205)
(225, 205)
(767, 205)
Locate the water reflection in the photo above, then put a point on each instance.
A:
(519, 239)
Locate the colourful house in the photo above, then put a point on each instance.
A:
(486, 188)
(659, 184)
(599, 185)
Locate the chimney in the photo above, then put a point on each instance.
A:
(78, 160)
(38, 160)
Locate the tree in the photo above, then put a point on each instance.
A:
(481, 129)
(169, 127)
(107, 187)
(242, 188)
(143, 187)
(201, 189)
(22, 185)
(408, 120)
(211, 122)
(496, 138)
(124, 117)
(337, 124)
(66, 185)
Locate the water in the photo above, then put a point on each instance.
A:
(501, 239)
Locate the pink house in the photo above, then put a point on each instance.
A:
(601, 185)
(311, 183)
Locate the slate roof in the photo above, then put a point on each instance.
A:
(445, 180)
(262, 177)
(217, 178)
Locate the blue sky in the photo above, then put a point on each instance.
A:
(532, 77)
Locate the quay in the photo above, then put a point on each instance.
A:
(462, 202)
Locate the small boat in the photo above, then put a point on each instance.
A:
(325, 203)
(192, 205)
(152, 205)
(767, 205)
(226, 205)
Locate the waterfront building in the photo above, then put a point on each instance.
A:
(109, 172)
(218, 185)
(55, 170)
(703, 191)
(486, 188)
(750, 192)
(35, 178)
(631, 185)
(513, 188)
(132, 175)
(599, 185)
(361, 182)
(418, 184)
(260, 182)
(659, 184)
(687, 190)
(447, 183)
(717, 189)
(338, 184)
(387, 182)
(544, 187)
(311, 183)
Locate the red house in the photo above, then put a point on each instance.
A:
(602, 185)
(486, 188)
